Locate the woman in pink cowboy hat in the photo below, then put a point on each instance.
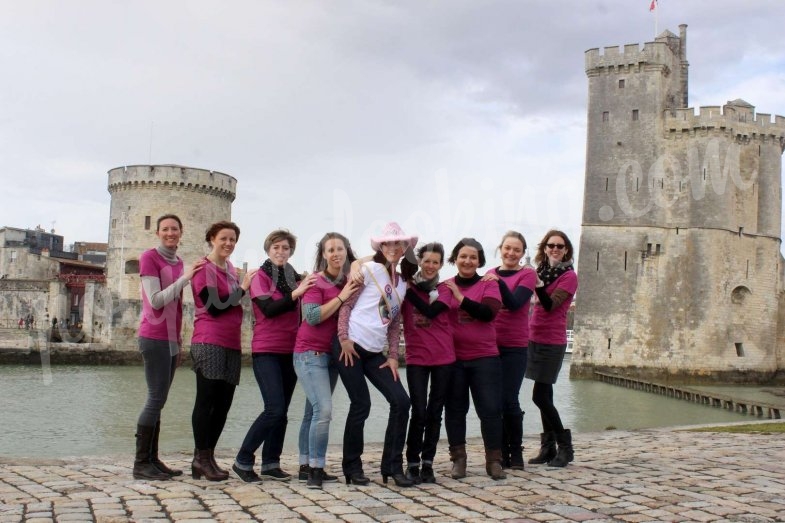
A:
(368, 320)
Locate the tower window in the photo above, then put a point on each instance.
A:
(147, 223)
(606, 116)
(739, 349)
(621, 84)
(634, 115)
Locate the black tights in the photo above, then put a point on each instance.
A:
(542, 396)
(213, 400)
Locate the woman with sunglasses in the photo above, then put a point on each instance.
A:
(556, 287)
(516, 285)
(367, 321)
(473, 306)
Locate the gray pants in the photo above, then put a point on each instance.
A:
(159, 367)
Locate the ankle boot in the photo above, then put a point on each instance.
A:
(458, 458)
(143, 467)
(426, 474)
(218, 469)
(547, 449)
(565, 454)
(493, 464)
(154, 454)
(513, 430)
(203, 466)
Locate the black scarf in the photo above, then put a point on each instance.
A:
(549, 274)
(285, 280)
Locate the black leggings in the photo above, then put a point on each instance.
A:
(213, 400)
(542, 396)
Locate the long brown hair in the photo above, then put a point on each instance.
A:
(541, 246)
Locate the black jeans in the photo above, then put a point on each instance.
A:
(426, 422)
(212, 404)
(353, 378)
(483, 377)
(513, 360)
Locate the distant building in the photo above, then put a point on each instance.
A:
(681, 276)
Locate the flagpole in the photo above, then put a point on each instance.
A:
(656, 16)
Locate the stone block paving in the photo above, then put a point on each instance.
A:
(625, 476)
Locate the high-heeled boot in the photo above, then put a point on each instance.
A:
(203, 466)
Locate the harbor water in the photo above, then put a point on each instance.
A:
(74, 410)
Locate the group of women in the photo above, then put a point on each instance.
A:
(471, 336)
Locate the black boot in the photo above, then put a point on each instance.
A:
(547, 449)
(515, 441)
(506, 460)
(143, 467)
(426, 474)
(565, 454)
(414, 474)
(154, 454)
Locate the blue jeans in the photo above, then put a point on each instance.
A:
(426, 422)
(353, 378)
(313, 371)
(276, 379)
(483, 377)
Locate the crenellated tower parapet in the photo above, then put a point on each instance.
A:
(629, 57)
(737, 119)
(174, 177)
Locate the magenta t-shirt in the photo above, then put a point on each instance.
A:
(224, 329)
(166, 323)
(512, 327)
(473, 338)
(550, 328)
(428, 341)
(274, 335)
(319, 337)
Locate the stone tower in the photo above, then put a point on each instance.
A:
(680, 266)
(139, 195)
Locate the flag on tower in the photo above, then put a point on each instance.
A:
(653, 5)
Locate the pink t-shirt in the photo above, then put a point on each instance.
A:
(166, 323)
(473, 338)
(274, 335)
(224, 329)
(512, 327)
(319, 337)
(428, 341)
(550, 328)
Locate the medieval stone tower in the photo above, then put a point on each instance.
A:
(139, 195)
(680, 270)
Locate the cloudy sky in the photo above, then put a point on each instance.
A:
(453, 117)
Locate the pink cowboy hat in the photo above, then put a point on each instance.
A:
(392, 232)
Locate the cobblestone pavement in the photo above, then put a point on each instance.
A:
(646, 475)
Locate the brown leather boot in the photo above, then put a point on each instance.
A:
(458, 458)
(215, 464)
(493, 464)
(202, 466)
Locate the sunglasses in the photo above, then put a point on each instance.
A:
(557, 246)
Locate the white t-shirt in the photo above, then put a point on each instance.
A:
(371, 314)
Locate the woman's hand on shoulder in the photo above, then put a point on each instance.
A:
(194, 268)
(348, 290)
(305, 284)
(455, 290)
(489, 276)
(248, 278)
